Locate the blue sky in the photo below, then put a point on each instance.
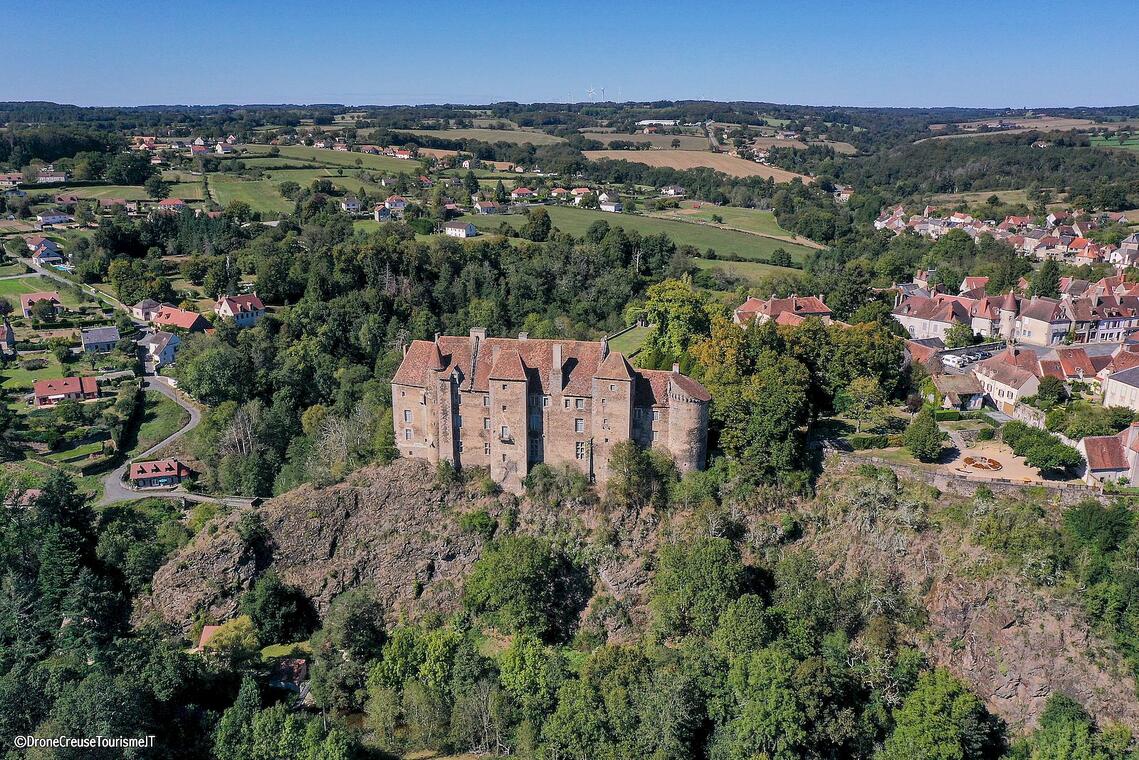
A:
(819, 52)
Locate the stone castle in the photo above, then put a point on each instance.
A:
(508, 404)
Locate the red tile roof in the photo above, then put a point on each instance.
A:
(27, 299)
(1105, 452)
(65, 385)
(158, 468)
(175, 317)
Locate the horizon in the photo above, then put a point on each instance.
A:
(135, 55)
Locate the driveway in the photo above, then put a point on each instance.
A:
(113, 487)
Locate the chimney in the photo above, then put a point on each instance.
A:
(676, 368)
(478, 334)
(556, 368)
(523, 335)
(604, 348)
(436, 338)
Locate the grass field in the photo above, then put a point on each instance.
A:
(749, 219)
(161, 419)
(489, 135)
(189, 191)
(692, 159)
(980, 196)
(752, 271)
(630, 341)
(348, 160)
(18, 287)
(260, 194)
(1113, 142)
(687, 142)
(576, 221)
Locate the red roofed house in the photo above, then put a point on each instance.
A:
(159, 473)
(521, 193)
(171, 204)
(208, 632)
(51, 392)
(171, 316)
(1111, 458)
(27, 300)
(509, 404)
(246, 310)
(791, 310)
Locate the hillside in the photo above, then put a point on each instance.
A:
(398, 530)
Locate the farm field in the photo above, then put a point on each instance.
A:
(348, 160)
(1113, 142)
(980, 196)
(17, 287)
(489, 135)
(261, 194)
(691, 159)
(576, 221)
(189, 191)
(764, 143)
(752, 220)
(687, 142)
(752, 271)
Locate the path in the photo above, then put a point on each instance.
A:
(113, 487)
(98, 294)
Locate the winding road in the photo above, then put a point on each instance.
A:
(113, 486)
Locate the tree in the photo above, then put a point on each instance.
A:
(538, 225)
(923, 438)
(1046, 281)
(156, 188)
(500, 194)
(942, 720)
(863, 395)
(959, 335)
(236, 641)
(1051, 390)
(471, 184)
(280, 613)
(678, 315)
(524, 583)
(694, 583)
(233, 739)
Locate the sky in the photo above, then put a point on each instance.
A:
(814, 52)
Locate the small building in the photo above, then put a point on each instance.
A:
(672, 191)
(1122, 389)
(145, 309)
(51, 392)
(171, 316)
(160, 473)
(521, 194)
(460, 229)
(790, 310)
(28, 300)
(350, 204)
(51, 177)
(161, 348)
(611, 206)
(395, 203)
(961, 392)
(246, 310)
(223, 149)
(1110, 458)
(49, 218)
(99, 340)
(171, 205)
(382, 213)
(485, 208)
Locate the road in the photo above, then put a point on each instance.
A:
(113, 487)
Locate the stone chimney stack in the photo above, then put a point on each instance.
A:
(556, 368)
(604, 348)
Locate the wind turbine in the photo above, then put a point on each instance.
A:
(602, 94)
(590, 93)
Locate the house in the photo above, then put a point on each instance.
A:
(672, 191)
(44, 250)
(51, 392)
(1008, 377)
(98, 340)
(7, 338)
(161, 348)
(395, 203)
(145, 309)
(973, 283)
(460, 229)
(49, 218)
(1110, 458)
(471, 163)
(350, 204)
(171, 205)
(27, 300)
(223, 149)
(792, 310)
(171, 316)
(66, 199)
(199, 150)
(579, 194)
(160, 473)
(521, 194)
(245, 310)
(1122, 388)
(611, 205)
(51, 177)
(511, 403)
(961, 392)
(559, 193)
(486, 207)
(403, 154)
(11, 179)
(382, 213)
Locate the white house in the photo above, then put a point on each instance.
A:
(161, 347)
(246, 310)
(350, 204)
(1122, 389)
(52, 217)
(460, 229)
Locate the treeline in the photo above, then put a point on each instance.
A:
(21, 146)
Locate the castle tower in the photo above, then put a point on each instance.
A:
(687, 421)
(612, 414)
(1007, 314)
(509, 439)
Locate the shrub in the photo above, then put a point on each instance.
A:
(479, 522)
(863, 441)
(946, 415)
(986, 434)
(923, 438)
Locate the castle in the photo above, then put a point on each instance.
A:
(508, 404)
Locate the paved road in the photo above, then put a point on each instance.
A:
(113, 487)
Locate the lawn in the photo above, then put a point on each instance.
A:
(687, 142)
(17, 287)
(7, 270)
(630, 341)
(749, 219)
(1113, 142)
(489, 135)
(76, 453)
(752, 271)
(260, 194)
(576, 221)
(189, 191)
(161, 418)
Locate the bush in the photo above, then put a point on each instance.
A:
(923, 438)
(863, 441)
(987, 434)
(946, 415)
(479, 522)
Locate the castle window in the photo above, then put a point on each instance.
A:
(579, 403)
(545, 401)
(579, 425)
(605, 423)
(486, 400)
(654, 436)
(486, 423)
(567, 403)
(504, 432)
(407, 435)
(612, 387)
(460, 447)
(486, 449)
(504, 386)
(579, 450)
(656, 414)
(407, 415)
